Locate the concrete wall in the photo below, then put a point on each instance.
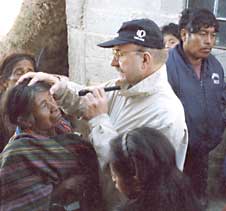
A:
(93, 21)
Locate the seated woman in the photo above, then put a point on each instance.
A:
(143, 167)
(39, 172)
(12, 67)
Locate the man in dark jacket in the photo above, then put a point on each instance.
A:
(198, 80)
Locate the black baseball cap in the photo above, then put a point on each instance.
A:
(142, 32)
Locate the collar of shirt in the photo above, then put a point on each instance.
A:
(145, 87)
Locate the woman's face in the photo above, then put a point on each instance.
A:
(117, 180)
(19, 69)
(127, 186)
(45, 111)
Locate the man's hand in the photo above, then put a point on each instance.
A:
(39, 76)
(58, 82)
(94, 103)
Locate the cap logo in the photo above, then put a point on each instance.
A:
(140, 35)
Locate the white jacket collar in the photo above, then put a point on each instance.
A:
(146, 86)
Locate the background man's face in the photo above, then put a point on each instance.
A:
(199, 44)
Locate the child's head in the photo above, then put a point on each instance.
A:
(138, 158)
(171, 35)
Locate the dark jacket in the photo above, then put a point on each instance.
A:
(203, 99)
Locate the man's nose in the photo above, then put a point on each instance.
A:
(114, 62)
(209, 39)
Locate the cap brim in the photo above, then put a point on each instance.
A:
(112, 43)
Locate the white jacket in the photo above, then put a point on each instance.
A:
(151, 103)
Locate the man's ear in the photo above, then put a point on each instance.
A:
(183, 34)
(147, 57)
(147, 61)
(26, 122)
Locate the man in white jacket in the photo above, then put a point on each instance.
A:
(145, 98)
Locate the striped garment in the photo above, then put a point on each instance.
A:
(33, 169)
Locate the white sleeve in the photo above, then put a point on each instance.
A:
(67, 97)
(102, 131)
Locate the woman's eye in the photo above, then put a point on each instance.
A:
(43, 105)
(19, 73)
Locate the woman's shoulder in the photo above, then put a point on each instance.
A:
(18, 141)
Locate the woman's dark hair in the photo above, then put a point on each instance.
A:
(10, 61)
(147, 154)
(171, 28)
(194, 19)
(20, 99)
(88, 187)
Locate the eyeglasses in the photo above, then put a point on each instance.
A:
(117, 53)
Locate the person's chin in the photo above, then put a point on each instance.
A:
(205, 52)
(202, 55)
(122, 77)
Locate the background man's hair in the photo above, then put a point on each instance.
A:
(194, 19)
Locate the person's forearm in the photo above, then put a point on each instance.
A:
(102, 131)
(67, 98)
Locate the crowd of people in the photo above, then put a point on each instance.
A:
(142, 147)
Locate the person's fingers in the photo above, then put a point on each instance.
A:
(25, 76)
(88, 101)
(33, 81)
(89, 98)
(98, 92)
(54, 88)
(40, 76)
(57, 87)
(102, 92)
(95, 92)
